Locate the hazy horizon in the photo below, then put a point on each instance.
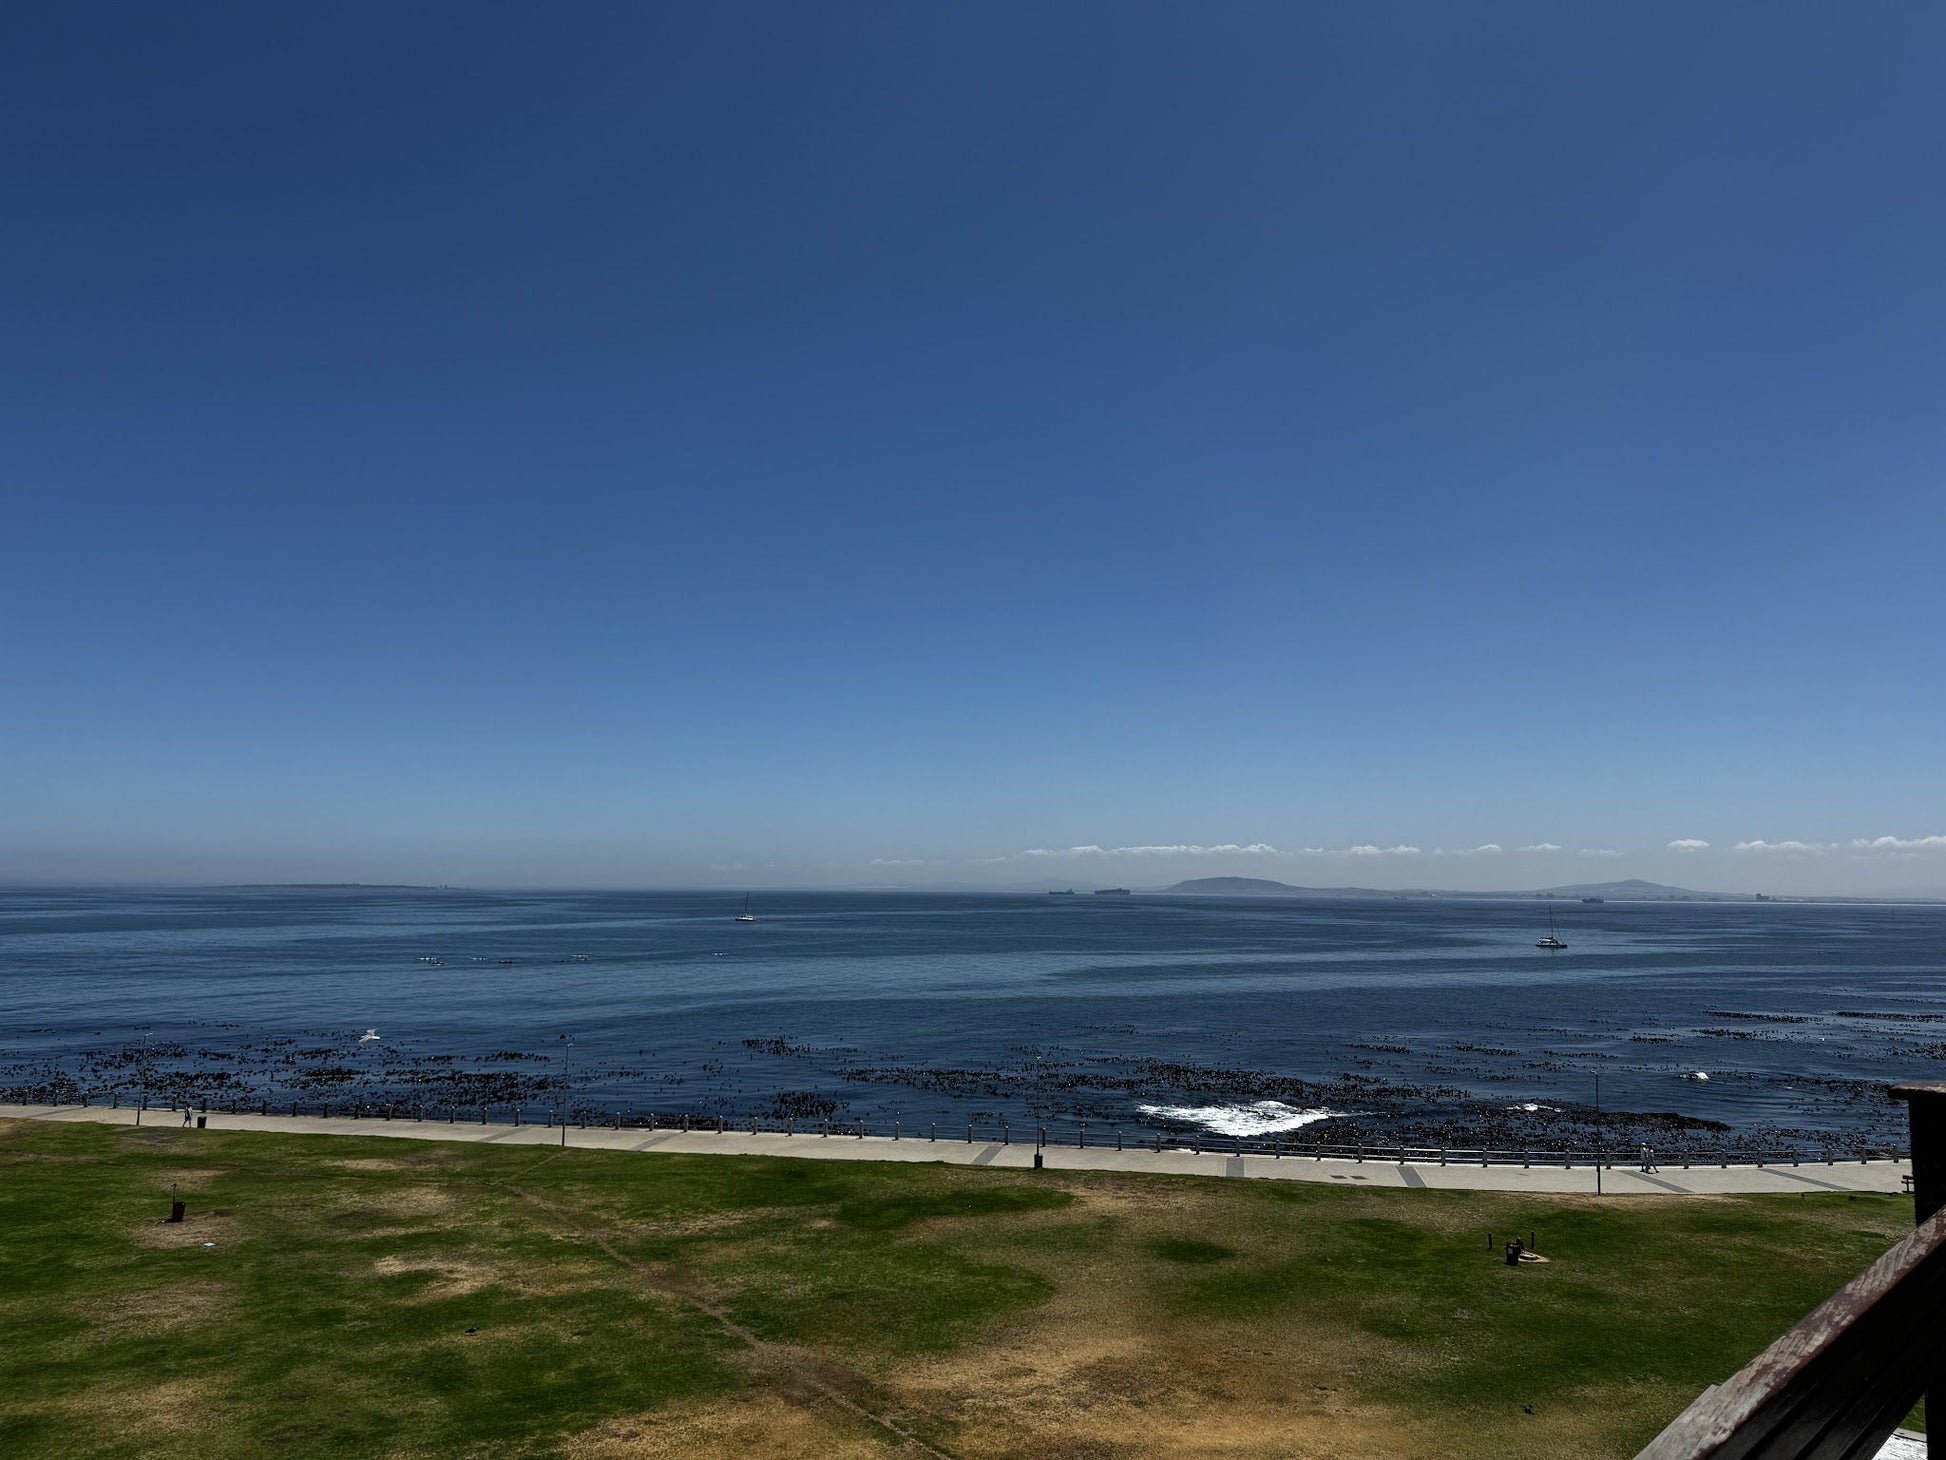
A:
(1396, 446)
(995, 882)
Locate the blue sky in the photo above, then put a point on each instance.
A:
(783, 444)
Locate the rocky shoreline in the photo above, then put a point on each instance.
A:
(775, 1079)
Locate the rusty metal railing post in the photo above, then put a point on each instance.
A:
(1925, 1104)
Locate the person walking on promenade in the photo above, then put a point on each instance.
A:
(185, 1115)
(1648, 1157)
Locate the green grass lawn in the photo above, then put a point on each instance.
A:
(374, 1297)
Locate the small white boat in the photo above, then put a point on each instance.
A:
(1550, 941)
(746, 916)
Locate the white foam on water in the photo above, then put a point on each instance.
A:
(1531, 1108)
(1265, 1117)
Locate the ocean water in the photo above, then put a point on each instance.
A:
(1422, 1019)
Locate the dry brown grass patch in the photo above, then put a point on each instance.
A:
(1124, 1199)
(183, 1305)
(748, 1427)
(405, 1206)
(455, 1275)
(1099, 1373)
(1064, 1391)
(178, 1407)
(372, 1163)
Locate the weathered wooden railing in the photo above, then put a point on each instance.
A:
(1837, 1385)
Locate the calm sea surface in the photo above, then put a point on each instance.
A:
(941, 1008)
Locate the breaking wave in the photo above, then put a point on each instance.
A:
(1265, 1117)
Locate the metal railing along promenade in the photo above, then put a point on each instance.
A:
(1079, 1134)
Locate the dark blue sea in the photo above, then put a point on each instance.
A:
(1431, 1020)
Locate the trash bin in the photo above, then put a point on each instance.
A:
(202, 1122)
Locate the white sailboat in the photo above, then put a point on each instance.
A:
(746, 916)
(1550, 941)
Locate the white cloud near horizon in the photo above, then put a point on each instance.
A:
(1485, 849)
(1897, 846)
(1901, 844)
(1371, 851)
(1226, 849)
(1689, 844)
(1541, 847)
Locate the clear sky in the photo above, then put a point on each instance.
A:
(681, 444)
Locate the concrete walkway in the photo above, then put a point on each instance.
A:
(1863, 1176)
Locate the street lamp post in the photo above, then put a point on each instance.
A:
(144, 1100)
(1597, 1133)
(567, 1082)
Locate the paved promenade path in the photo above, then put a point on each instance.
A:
(1875, 1176)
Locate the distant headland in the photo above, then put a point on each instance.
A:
(1631, 889)
(334, 887)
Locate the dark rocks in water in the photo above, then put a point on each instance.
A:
(1407, 1103)
(776, 1046)
(801, 1105)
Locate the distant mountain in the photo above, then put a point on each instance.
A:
(1633, 889)
(1630, 889)
(1264, 887)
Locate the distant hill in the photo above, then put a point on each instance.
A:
(333, 887)
(1633, 889)
(1264, 887)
